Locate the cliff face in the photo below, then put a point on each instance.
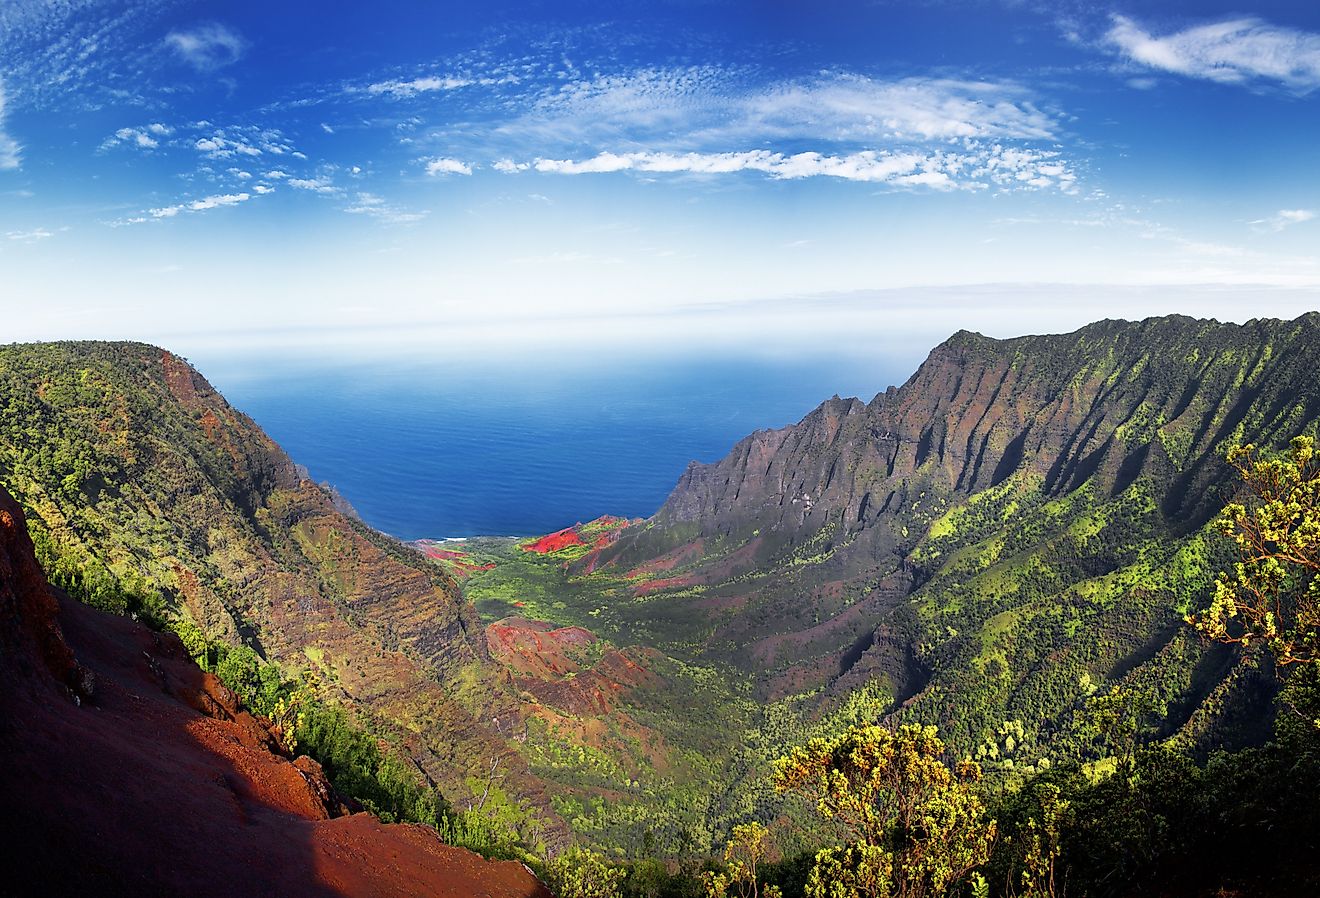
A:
(127, 771)
(127, 458)
(1113, 400)
(1020, 517)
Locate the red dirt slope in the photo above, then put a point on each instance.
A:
(129, 772)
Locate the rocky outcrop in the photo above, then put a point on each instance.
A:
(155, 782)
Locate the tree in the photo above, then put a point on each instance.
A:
(916, 828)
(1273, 594)
(580, 873)
(743, 853)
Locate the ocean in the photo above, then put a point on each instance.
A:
(426, 448)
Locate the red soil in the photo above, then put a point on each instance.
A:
(130, 772)
(553, 542)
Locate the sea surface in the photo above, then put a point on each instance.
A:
(526, 446)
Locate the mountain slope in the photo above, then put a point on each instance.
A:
(1017, 527)
(136, 472)
(127, 771)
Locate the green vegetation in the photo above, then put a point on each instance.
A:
(1273, 594)
(984, 682)
(910, 826)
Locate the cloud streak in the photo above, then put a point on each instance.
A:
(975, 166)
(11, 154)
(1237, 51)
(200, 205)
(414, 86)
(706, 107)
(1284, 218)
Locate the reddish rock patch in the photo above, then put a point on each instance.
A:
(129, 772)
(553, 542)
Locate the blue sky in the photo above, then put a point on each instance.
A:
(465, 177)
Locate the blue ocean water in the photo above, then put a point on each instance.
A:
(429, 449)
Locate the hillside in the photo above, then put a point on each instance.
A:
(992, 547)
(1017, 525)
(128, 771)
(143, 485)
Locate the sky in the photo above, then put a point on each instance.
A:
(436, 177)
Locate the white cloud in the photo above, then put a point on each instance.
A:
(1236, 51)
(207, 47)
(201, 205)
(444, 166)
(242, 140)
(711, 108)
(136, 137)
(410, 88)
(316, 185)
(1282, 219)
(276, 175)
(11, 154)
(378, 208)
(30, 236)
(974, 166)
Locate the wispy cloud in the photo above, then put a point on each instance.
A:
(376, 207)
(973, 166)
(201, 205)
(30, 236)
(207, 47)
(11, 156)
(1236, 51)
(704, 106)
(446, 166)
(414, 86)
(1282, 219)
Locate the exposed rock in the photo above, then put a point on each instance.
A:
(139, 794)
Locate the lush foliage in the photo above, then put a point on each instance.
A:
(580, 873)
(744, 854)
(912, 827)
(1273, 594)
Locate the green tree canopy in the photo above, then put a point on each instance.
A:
(916, 827)
(1272, 595)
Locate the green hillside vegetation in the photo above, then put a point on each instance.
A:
(695, 701)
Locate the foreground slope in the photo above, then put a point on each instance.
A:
(127, 771)
(131, 465)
